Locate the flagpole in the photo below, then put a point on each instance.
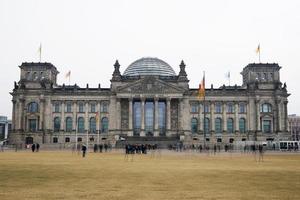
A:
(204, 103)
(40, 51)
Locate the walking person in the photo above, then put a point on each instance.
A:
(37, 147)
(33, 147)
(261, 153)
(83, 150)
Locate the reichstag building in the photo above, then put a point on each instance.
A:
(148, 102)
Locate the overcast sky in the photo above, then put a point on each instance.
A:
(87, 37)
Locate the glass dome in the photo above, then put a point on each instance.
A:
(149, 66)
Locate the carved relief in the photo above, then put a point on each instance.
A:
(150, 85)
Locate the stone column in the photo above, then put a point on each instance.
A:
(224, 123)
(13, 115)
(200, 118)
(156, 130)
(251, 114)
(118, 113)
(62, 120)
(212, 116)
(74, 117)
(258, 127)
(279, 111)
(168, 114)
(130, 121)
(142, 133)
(99, 117)
(21, 114)
(236, 116)
(86, 117)
(285, 116)
(41, 122)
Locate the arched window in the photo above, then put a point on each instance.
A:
(33, 107)
(92, 125)
(104, 125)
(194, 125)
(206, 125)
(266, 108)
(56, 124)
(69, 123)
(230, 125)
(67, 139)
(80, 125)
(242, 125)
(218, 125)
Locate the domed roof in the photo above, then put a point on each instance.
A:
(149, 66)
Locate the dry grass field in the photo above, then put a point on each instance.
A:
(63, 175)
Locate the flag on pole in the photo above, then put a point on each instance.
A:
(227, 75)
(68, 74)
(201, 92)
(40, 52)
(258, 52)
(258, 49)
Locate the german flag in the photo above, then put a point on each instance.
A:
(201, 92)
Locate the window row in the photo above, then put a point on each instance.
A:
(81, 127)
(230, 108)
(219, 125)
(67, 139)
(80, 107)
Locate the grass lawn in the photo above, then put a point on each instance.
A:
(63, 175)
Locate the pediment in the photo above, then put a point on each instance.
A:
(151, 85)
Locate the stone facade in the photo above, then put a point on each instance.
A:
(152, 105)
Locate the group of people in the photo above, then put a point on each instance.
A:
(101, 147)
(139, 148)
(35, 147)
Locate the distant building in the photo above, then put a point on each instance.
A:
(294, 126)
(5, 127)
(149, 102)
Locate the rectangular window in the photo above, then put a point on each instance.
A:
(194, 108)
(68, 107)
(32, 125)
(242, 108)
(230, 108)
(80, 107)
(104, 107)
(56, 107)
(267, 126)
(206, 108)
(93, 107)
(218, 108)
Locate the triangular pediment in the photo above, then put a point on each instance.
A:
(151, 85)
